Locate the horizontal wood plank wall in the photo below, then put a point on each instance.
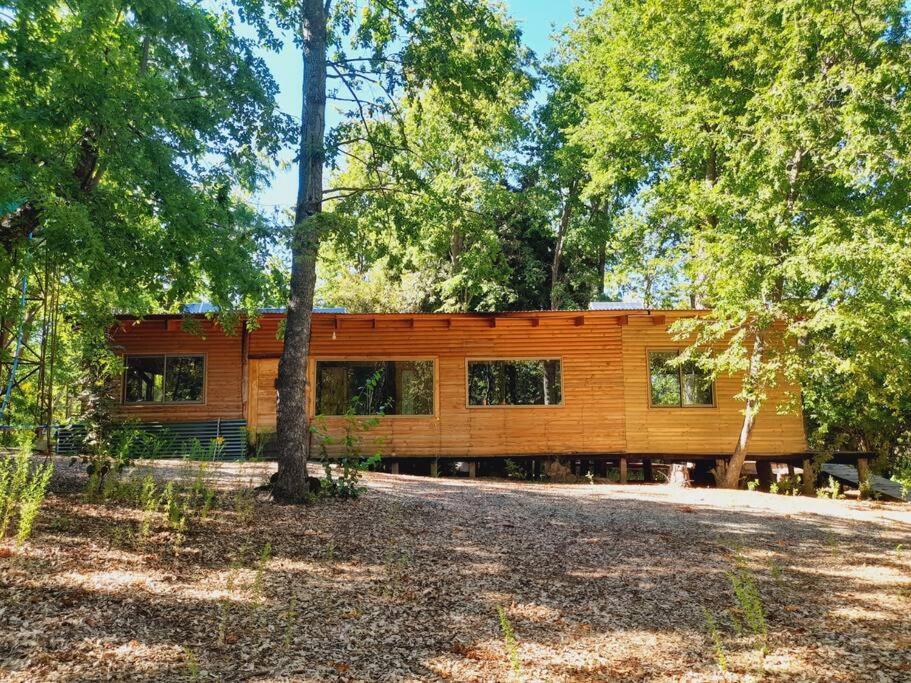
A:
(264, 341)
(223, 378)
(590, 419)
(605, 385)
(696, 430)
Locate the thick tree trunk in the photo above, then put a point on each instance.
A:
(293, 429)
(731, 478)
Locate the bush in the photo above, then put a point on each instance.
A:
(833, 490)
(514, 470)
(353, 462)
(22, 491)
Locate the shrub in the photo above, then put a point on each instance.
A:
(514, 470)
(22, 491)
(352, 463)
(31, 499)
(149, 502)
(833, 490)
(786, 486)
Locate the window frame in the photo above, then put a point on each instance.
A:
(489, 359)
(203, 400)
(311, 379)
(681, 406)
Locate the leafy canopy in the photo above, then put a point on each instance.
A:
(763, 148)
(131, 136)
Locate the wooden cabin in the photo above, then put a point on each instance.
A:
(580, 384)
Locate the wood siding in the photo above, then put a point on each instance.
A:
(710, 430)
(223, 395)
(604, 371)
(590, 418)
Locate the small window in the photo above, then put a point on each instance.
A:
(374, 387)
(515, 383)
(164, 379)
(676, 385)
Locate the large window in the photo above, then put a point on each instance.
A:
(164, 379)
(515, 382)
(678, 384)
(374, 387)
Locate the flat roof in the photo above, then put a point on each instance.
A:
(336, 313)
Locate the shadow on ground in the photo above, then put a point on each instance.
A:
(597, 583)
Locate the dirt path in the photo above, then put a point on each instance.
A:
(598, 583)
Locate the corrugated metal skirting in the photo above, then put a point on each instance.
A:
(175, 439)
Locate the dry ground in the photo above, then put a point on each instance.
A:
(599, 583)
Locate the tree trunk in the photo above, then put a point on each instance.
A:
(731, 478)
(808, 479)
(562, 229)
(293, 429)
(765, 473)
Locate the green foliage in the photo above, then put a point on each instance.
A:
(514, 470)
(832, 490)
(351, 461)
(22, 491)
(759, 155)
(434, 242)
(106, 445)
(149, 503)
(129, 136)
(471, 227)
(434, 210)
(192, 664)
(509, 640)
(175, 507)
(901, 468)
(749, 603)
(787, 486)
(717, 641)
(290, 619)
(257, 442)
(224, 607)
(133, 136)
(256, 588)
(212, 451)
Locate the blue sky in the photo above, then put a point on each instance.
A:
(538, 19)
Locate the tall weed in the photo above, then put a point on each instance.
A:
(717, 641)
(509, 640)
(31, 499)
(746, 593)
(22, 491)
